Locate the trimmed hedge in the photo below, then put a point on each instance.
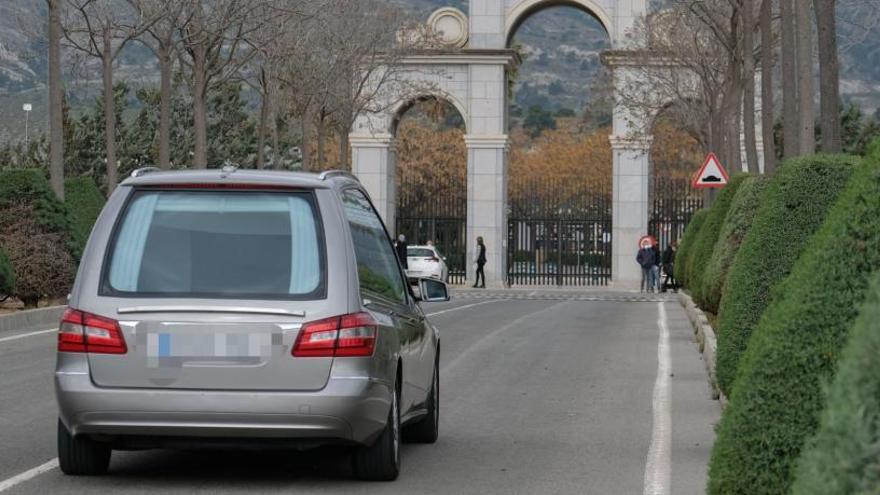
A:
(793, 207)
(685, 247)
(734, 229)
(7, 274)
(705, 242)
(84, 202)
(843, 457)
(777, 397)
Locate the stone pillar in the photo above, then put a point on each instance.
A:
(487, 24)
(630, 206)
(373, 162)
(487, 205)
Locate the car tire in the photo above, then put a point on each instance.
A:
(428, 428)
(381, 461)
(81, 456)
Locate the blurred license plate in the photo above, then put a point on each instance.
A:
(216, 345)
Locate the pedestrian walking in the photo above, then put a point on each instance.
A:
(647, 261)
(480, 261)
(669, 266)
(401, 247)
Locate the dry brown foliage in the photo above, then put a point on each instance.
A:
(43, 265)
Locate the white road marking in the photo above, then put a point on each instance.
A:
(29, 474)
(463, 307)
(657, 469)
(29, 334)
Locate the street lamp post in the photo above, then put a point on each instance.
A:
(27, 107)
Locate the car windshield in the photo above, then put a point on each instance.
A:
(232, 244)
(419, 253)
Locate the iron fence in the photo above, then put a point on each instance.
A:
(559, 233)
(674, 203)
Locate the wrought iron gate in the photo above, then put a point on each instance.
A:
(559, 233)
(435, 211)
(673, 205)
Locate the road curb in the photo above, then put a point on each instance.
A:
(704, 334)
(41, 318)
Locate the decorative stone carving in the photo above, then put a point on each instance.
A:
(450, 25)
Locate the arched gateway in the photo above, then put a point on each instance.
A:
(472, 76)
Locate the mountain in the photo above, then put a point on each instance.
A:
(561, 46)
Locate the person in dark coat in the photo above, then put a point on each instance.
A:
(669, 266)
(647, 260)
(401, 246)
(480, 261)
(655, 272)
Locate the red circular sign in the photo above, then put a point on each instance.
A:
(649, 238)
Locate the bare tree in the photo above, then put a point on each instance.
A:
(768, 62)
(101, 29)
(56, 100)
(279, 40)
(162, 39)
(215, 48)
(352, 67)
(829, 75)
(747, 14)
(791, 120)
(693, 66)
(806, 106)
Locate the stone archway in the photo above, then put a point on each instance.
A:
(472, 73)
(519, 11)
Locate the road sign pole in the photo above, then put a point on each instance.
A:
(709, 196)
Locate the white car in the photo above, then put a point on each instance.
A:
(426, 262)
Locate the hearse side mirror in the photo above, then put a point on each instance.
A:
(431, 290)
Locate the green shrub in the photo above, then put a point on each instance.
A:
(7, 275)
(691, 232)
(792, 208)
(843, 457)
(30, 186)
(777, 397)
(733, 231)
(84, 202)
(705, 242)
(35, 232)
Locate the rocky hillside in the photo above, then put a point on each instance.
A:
(561, 47)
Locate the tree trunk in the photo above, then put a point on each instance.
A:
(322, 143)
(200, 107)
(806, 109)
(749, 123)
(829, 76)
(263, 119)
(790, 117)
(273, 123)
(305, 145)
(56, 101)
(767, 96)
(165, 67)
(717, 139)
(109, 114)
(343, 150)
(261, 128)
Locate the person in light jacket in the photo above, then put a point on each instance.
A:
(480, 261)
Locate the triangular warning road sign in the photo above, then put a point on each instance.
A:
(711, 174)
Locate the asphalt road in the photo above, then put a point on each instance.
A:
(538, 395)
